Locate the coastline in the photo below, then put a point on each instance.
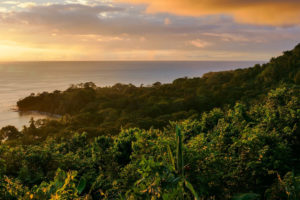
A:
(35, 112)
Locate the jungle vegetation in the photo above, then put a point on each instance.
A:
(227, 135)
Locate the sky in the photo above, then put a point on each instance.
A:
(41, 30)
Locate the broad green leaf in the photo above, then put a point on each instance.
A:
(191, 188)
(179, 152)
(171, 156)
(81, 185)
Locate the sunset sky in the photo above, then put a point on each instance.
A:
(147, 29)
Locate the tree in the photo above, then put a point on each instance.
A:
(9, 133)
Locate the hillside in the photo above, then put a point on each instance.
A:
(126, 106)
(226, 135)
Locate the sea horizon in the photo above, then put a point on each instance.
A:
(20, 79)
(66, 61)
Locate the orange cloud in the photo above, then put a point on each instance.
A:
(263, 12)
(199, 43)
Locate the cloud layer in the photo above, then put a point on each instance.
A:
(103, 30)
(264, 12)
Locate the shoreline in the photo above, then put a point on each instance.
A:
(36, 112)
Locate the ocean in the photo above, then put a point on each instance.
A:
(20, 79)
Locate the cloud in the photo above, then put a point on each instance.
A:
(27, 4)
(96, 31)
(199, 43)
(167, 21)
(2, 9)
(85, 19)
(10, 2)
(262, 12)
(71, 18)
(232, 37)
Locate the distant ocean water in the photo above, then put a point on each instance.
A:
(20, 79)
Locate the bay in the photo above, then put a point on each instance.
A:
(20, 79)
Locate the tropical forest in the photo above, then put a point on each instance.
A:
(226, 135)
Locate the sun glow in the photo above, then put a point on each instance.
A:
(145, 30)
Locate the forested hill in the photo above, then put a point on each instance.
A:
(106, 109)
(228, 135)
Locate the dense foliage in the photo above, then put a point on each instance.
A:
(227, 135)
(107, 109)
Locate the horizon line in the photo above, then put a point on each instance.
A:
(20, 61)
